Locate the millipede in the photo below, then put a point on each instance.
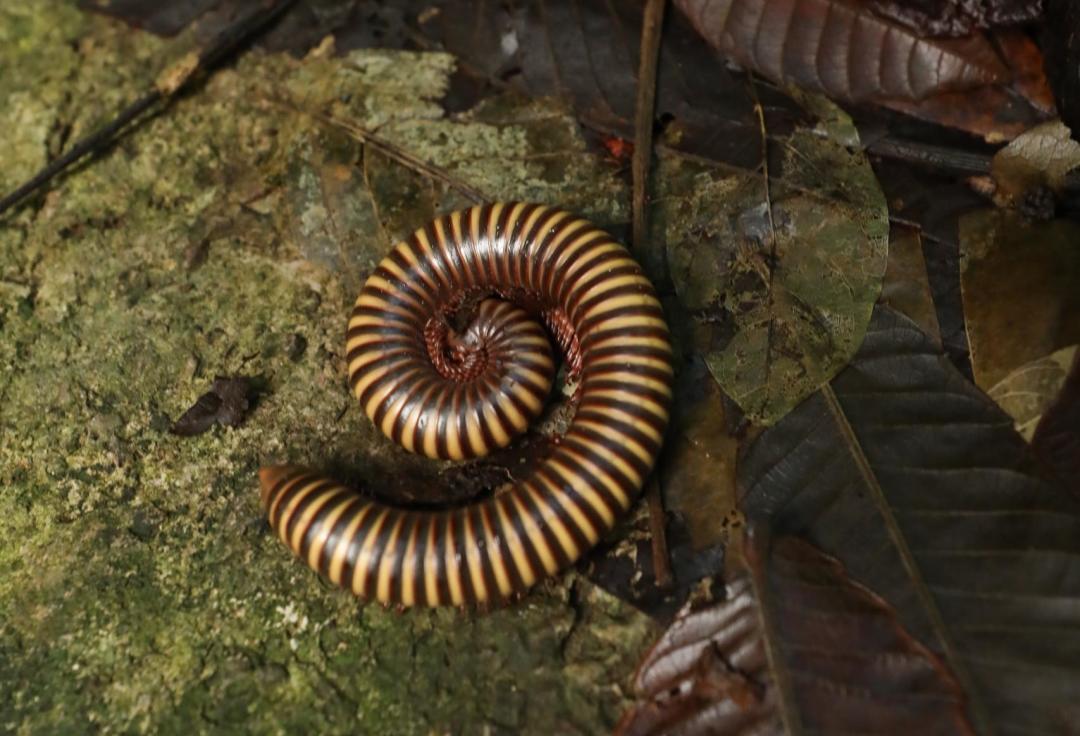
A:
(457, 389)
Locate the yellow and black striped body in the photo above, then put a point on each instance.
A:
(456, 395)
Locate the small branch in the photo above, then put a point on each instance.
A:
(665, 579)
(644, 115)
(950, 160)
(169, 83)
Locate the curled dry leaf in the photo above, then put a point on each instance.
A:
(795, 645)
(911, 476)
(1021, 290)
(842, 48)
(779, 276)
(1027, 392)
(226, 403)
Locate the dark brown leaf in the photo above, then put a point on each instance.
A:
(1061, 44)
(912, 477)
(841, 48)
(226, 403)
(1057, 436)
(164, 19)
(906, 287)
(795, 645)
(934, 203)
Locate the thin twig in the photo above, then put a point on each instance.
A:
(644, 115)
(760, 112)
(167, 86)
(391, 151)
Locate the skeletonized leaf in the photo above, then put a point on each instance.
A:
(841, 48)
(1029, 390)
(912, 477)
(796, 646)
(1040, 157)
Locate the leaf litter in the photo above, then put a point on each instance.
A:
(346, 199)
(795, 645)
(917, 482)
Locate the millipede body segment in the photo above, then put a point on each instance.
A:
(456, 392)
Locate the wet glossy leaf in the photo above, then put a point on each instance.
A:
(779, 283)
(795, 646)
(1029, 390)
(1021, 290)
(913, 478)
(841, 48)
(994, 112)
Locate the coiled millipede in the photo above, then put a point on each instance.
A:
(455, 394)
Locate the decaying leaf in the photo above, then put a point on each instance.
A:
(1057, 437)
(906, 287)
(1018, 281)
(226, 403)
(780, 278)
(841, 48)
(795, 645)
(698, 467)
(1040, 157)
(912, 477)
(957, 17)
(1027, 392)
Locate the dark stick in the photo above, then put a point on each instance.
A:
(93, 142)
(173, 80)
(644, 114)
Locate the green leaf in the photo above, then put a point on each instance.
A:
(780, 277)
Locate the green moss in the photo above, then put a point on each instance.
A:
(140, 590)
